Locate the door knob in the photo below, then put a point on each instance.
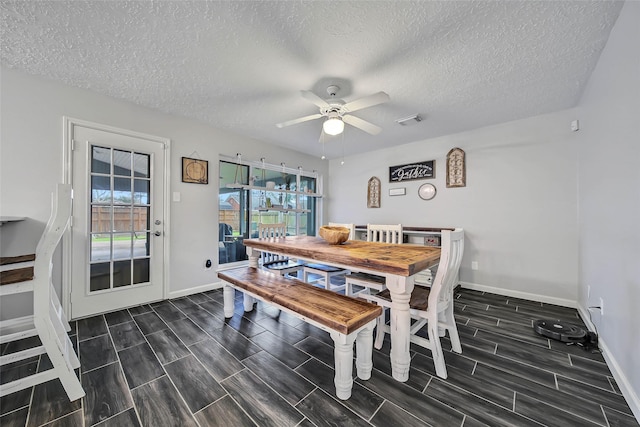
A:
(158, 233)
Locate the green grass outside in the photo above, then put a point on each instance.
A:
(141, 236)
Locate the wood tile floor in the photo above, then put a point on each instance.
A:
(179, 363)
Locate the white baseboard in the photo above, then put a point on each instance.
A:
(519, 294)
(618, 374)
(194, 290)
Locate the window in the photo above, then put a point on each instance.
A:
(250, 194)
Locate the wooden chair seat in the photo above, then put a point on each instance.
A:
(419, 298)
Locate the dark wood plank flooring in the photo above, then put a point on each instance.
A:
(180, 363)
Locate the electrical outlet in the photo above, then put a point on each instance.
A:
(474, 265)
(601, 307)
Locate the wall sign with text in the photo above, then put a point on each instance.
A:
(418, 170)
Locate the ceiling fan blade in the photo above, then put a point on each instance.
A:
(312, 97)
(300, 120)
(362, 124)
(367, 101)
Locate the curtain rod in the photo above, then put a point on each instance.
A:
(270, 166)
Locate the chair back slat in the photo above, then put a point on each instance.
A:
(267, 231)
(384, 233)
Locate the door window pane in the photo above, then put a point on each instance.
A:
(122, 191)
(122, 163)
(122, 244)
(122, 218)
(100, 189)
(121, 273)
(141, 165)
(101, 217)
(100, 160)
(141, 217)
(141, 245)
(100, 247)
(141, 191)
(100, 276)
(140, 270)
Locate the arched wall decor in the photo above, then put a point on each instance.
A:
(456, 168)
(373, 192)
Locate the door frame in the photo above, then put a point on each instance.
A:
(67, 249)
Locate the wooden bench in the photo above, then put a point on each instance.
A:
(346, 319)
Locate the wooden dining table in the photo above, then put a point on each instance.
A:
(398, 263)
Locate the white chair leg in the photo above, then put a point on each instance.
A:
(364, 352)
(436, 350)
(61, 365)
(380, 329)
(450, 325)
(327, 281)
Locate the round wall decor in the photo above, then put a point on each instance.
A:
(427, 191)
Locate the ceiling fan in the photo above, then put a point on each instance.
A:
(337, 111)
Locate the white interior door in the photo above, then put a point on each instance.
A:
(118, 226)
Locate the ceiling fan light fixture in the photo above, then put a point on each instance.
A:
(333, 126)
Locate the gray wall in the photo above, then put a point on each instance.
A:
(518, 209)
(609, 199)
(31, 163)
(549, 214)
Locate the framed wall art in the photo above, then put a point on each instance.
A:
(373, 192)
(412, 171)
(195, 171)
(456, 168)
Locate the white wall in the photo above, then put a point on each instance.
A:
(31, 162)
(609, 199)
(518, 208)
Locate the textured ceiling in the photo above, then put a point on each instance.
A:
(240, 65)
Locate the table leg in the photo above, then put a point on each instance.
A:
(400, 289)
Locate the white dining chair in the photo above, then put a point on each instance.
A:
(275, 262)
(375, 233)
(325, 271)
(431, 306)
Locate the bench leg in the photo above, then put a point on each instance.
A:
(229, 295)
(364, 351)
(343, 354)
(248, 301)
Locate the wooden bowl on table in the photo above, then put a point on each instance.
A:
(334, 235)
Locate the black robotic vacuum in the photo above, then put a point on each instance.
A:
(567, 333)
(558, 330)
